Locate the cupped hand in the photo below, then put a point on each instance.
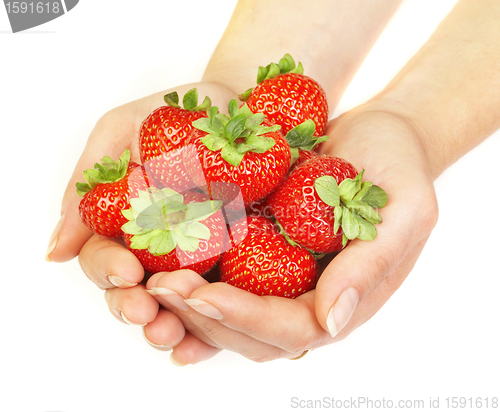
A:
(106, 261)
(354, 285)
(357, 283)
(114, 132)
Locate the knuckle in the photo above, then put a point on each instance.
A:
(381, 264)
(427, 209)
(209, 328)
(305, 341)
(379, 268)
(429, 213)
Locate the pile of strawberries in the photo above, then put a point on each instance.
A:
(245, 194)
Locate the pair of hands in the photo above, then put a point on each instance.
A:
(183, 312)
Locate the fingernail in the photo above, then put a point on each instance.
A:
(54, 237)
(172, 297)
(122, 315)
(174, 362)
(205, 308)
(342, 310)
(119, 282)
(154, 345)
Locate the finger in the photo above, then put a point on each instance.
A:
(283, 327)
(108, 264)
(191, 351)
(133, 306)
(67, 238)
(171, 290)
(377, 298)
(182, 281)
(165, 331)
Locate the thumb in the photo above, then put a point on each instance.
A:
(70, 234)
(345, 293)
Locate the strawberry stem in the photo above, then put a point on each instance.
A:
(189, 101)
(108, 171)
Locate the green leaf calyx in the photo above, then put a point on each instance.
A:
(234, 135)
(302, 136)
(160, 221)
(354, 204)
(272, 70)
(284, 66)
(108, 171)
(189, 101)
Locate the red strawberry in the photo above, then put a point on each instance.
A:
(321, 196)
(287, 97)
(163, 135)
(168, 231)
(265, 263)
(242, 150)
(107, 191)
(260, 207)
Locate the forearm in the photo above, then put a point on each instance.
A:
(450, 90)
(330, 37)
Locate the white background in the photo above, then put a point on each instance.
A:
(61, 350)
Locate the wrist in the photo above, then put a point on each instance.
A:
(319, 34)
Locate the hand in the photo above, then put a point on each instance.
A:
(116, 131)
(353, 286)
(106, 261)
(391, 151)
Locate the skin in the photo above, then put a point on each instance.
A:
(430, 115)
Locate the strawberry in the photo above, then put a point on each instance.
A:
(287, 97)
(107, 192)
(241, 151)
(168, 231)
(320, 197)
(260, 207)
(265, 263)
(163, 135)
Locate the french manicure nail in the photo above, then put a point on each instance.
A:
(54, 237)
(342, 310)
(205, 308)
(122, 315)
(154, 345)
(119, 282)
(172, 297)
